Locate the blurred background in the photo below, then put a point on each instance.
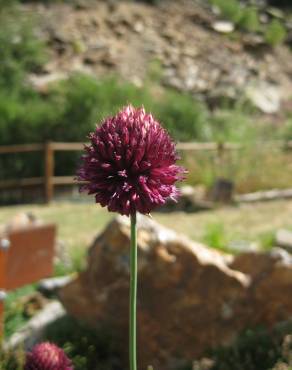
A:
(216, 73)
(211, 71)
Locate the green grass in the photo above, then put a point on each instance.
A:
(14, 316)
(215, 236)
(275, 33)
(246, 18)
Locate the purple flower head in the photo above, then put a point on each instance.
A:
(130, 163)
(47, 356)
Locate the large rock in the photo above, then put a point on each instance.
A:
(268, 298)
(284, 239)
(190, 297)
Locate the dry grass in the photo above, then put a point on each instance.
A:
(252, 168)
(247, 222)
(78, 223)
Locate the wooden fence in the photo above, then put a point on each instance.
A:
(49, 181)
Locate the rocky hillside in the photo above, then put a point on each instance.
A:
(184, 44)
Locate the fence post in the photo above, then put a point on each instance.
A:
(49, 172)
(220, 151)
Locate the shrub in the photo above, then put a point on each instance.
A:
(14, 316)
(20, 49)
(249, 19)
(12, 360)
(230, 9)
(275, 33)
(21, 109)
(73, 107)
(182, 116)
(88, 349)
(232, 125)
(88, 100)
(254, 350)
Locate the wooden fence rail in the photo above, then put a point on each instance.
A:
(48, 181)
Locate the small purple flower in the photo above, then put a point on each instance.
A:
(130, 163)
(47, 356)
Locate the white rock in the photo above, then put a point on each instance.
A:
(223, 26)
(33, 331)
(284, 239)
(265, 96)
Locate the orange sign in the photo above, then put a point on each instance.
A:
(26, 256)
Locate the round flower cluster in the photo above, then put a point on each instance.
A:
(129, 164)
(47, 356)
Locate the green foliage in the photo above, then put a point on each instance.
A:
(258, 349)
(151, 2)
(14, 316)
(89, 349)
(85, 101)
(76, 263)
(286, 132)
(254, 350)
(12, 360)
(215, 236)
(20, 49)
(267, 240)
(182, 116)
(26, 117)
(233, 124)
(21, 109)
(249, 19)
(275, 33)
(230, 9)
(51, 1)
(71, 110)
(154, 72)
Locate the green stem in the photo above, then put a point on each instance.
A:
(133, 294)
